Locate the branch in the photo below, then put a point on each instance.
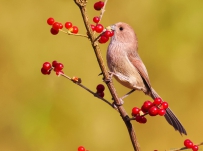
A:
(81, 85)
(81, 4)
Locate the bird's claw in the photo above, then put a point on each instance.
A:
(109, 79)
(115, 104)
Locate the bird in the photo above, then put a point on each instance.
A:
(128, 68)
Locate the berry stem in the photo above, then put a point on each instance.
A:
(132, 118)
(98, 36)
(69, 33)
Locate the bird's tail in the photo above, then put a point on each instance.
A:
(170, 116)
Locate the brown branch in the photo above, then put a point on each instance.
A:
(81, 4)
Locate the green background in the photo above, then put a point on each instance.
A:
(50, 113)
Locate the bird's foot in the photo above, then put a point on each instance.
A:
(127, 94)
(109, 79)
(121, 102)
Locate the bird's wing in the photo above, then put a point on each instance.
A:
(139, 65)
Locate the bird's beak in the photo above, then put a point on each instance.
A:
(112, 27)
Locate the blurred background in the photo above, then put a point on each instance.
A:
(50, 113)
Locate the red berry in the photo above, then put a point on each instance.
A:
(108, 33)
(153, 111)
(100, 88)
(99, 28)
(103, 39)
(60, 26)
(43, 71)
(135, 111)
(164, 105)
(46, 65)
(74, 29)
(195, 148)
(101, 94)
(98, 5)
(101, 4)
(146, 106)
(188, 143)
(58, 67)
(54, 63)
(50, 21)
(81, 148)
(138, 118)
(59, 72)
(56, 26)
(93, 27)
(157, 101)
(161, 112)
(112, 33)
(54, 31)
(143, 119)
(96, 19)
(68, 25)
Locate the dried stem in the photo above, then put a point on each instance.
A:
(81, 4)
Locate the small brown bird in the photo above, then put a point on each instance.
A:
(127, 67)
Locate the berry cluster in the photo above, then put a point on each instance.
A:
(105, 36)
(189, 144)
(56, 26)
(56, 66)
(99, 28)
(81, 148)
(158, 107)
(100, 90)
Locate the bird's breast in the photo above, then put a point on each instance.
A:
(124, 71)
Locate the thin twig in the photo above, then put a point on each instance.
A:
(102, 11)
(98, 36)
(84, 87)
(81, 4)
(69, 33)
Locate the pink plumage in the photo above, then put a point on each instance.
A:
(124, 61)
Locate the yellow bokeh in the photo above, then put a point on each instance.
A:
(50, 113)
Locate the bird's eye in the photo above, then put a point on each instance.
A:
(121, 28)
